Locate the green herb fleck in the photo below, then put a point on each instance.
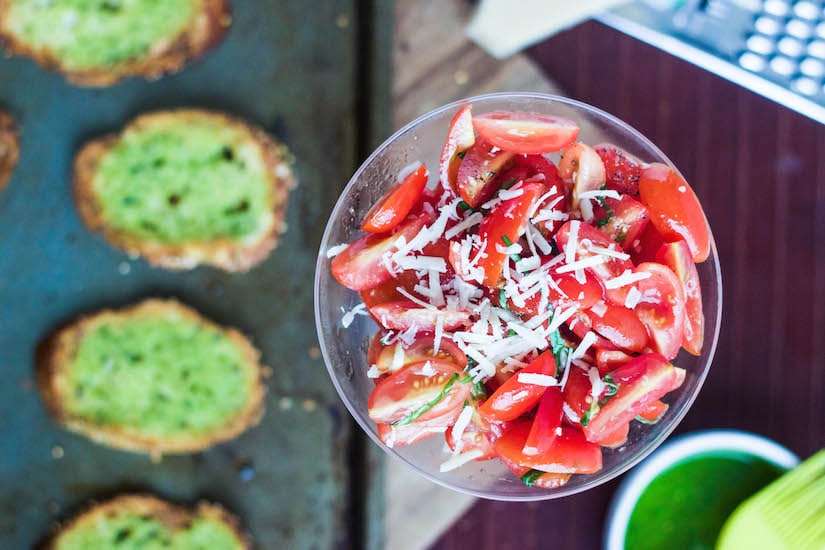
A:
(621, 235)
(479, 391)
(502, 299)
(509, 183)
(603, 203)
(413, 416)
(511, 332)
(531, 477)
(508, 242)
(463, 206)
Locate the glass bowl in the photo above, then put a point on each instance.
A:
(345, 350)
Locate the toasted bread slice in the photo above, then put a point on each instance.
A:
(186, 187)
(144, 521)
(9, 147)
(99, 43)
(155, 377)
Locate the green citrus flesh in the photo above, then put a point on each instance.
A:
(193, 181)
(157, 376)
(98, 34)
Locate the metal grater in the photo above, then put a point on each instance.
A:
(774, 47)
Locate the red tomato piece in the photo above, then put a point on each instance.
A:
(547, 421)
(652, 413)
(388, 290)
(617, 437)
(570, 453)
(527, 133)
(515, 398)
(396, 203)
(403, 314)
(399, 436)
(633, 395)
(619, 325)
(478, 175)
(404, 392)
(662, 308)
(517, 469)
(581, 164)
(581, 324)
(473, 438)
(589, 236)
(646, 246)
(608, 360)
(548, 480)
(622, 170)
(626, 221)
(674, 209)
(360, 266)
(577, 393)
(460, 137)
(507, 221)
(584, 294)
(677, 257)
(421, 349)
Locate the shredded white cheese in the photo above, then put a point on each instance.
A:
(633, 297)
(590, 261)
(472, 220)
(333, 251)
(349, 316)
(626, 278)
(460, 425)
(608, 193)
(537, 379)
(459, 460)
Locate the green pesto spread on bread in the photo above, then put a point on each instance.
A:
(144, 522)
(186, 187)
(155, 377)
(179, 183)
(86, 34)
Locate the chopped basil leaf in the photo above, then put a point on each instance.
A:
(413, 416)
(502, 299)
(590, 413)
(463, 206)
(603, 221)
(479, 391)
(509, 183)
(531, 477)
(508, 242)
(511, 332)
(560, 348)
(621, 235)
(603, 203)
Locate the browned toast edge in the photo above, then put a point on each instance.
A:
(58, 349)
(206, 30)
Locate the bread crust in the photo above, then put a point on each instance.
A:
(226, 254)
(56, 352)
(9, 147)
(173, 516)
(207, 29)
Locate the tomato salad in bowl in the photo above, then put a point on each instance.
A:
(530, 293)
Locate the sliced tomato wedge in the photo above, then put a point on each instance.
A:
(620, 325)
(674, 209)
(474, 437)
(422, 348)
(400, 436)
(570, 453)
(577, 394)
(622, 170)
(624, 221)
(587, 237)
(514, 398)
(525, 132)
(608, 360)
(653, 412)
(418, 393)
(546, 422)
(388, 290)
(478, 174)
(360, 266)
(585, 294)
(581, 164)
(646, 246)
(460, 137)
(662, 308)
(677, 257)
(396, 203)
(617, 437)
(404, 314)
(640, 382)
(580, 324)
(505, 223)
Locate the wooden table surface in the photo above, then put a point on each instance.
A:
(759, 170)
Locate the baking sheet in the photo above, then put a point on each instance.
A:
(290, 70)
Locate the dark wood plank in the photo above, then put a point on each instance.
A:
(759, 170)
